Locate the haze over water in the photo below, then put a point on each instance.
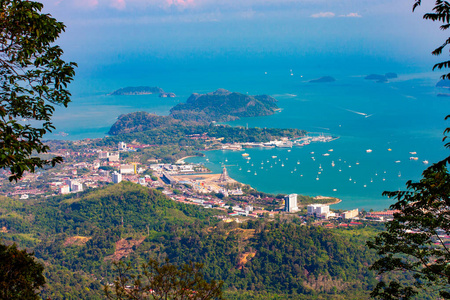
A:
(190, 47)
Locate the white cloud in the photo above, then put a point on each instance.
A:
(351, 15)
(327, 14)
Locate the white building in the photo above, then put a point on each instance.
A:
(127, 169)
(122, 146)
(64, 189)
(76, 187)
(320, 210)
(113, 156)
(116, 177)
(350, 214)
(291, 203)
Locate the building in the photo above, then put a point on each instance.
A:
(350, 214)
(76, 187)
(122, 146)
(128, 169)
(64, 189)
(113, 156)
(319, 210)
(290, 202)
(116, 177)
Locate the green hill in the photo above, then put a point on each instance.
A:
(78, 236)
(222, 106)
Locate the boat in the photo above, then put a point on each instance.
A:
(311, 152)
(255, 173)
(326, 154)
(248, 170)
(397, 161)
(240, 169)
(298, 162)
(274, 156)
(289, 150)
(413, 158)
(334, 190)
(330, 150)
(350, 179)
(369, 150)
(357, 162)
(282, 164)
(426, 162)
(371, 180)
(399, 174)
(389, 149)
(245, 154)
(365, 185)
(413, 153)
(340, 170)
(317, 178)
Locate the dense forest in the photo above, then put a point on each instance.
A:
(79, 236)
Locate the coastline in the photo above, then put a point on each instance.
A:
(181, 160)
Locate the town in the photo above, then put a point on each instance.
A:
(97, 166)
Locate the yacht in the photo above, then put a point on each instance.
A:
(369, 150)
(426, 162)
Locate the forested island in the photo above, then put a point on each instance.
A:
(222, 106)
(137, 90)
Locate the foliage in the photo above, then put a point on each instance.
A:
(20, 275)
(163, 281)
(33, 78)
(417, 239)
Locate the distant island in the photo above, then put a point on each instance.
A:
(137, 90)
(443, 83)
(323, 79)
(222, 106)
(381, 78)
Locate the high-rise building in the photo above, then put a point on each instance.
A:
(116, 177)
(290, 202)
(318, 209)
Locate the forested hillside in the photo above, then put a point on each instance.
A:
(78, 237)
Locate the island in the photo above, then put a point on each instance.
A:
(223, 105)
(443, 83)
(138, 90)
(167, 95)
(381, 78)
(323, 79)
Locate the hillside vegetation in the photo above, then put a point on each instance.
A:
(79, 236)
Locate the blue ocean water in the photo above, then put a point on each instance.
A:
(404, 115)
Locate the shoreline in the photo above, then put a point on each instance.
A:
(181, 160)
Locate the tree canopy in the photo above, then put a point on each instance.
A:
(33, 79)
(416, 241)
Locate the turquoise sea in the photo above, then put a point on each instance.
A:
(404, 115)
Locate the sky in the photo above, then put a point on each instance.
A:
(116, 31)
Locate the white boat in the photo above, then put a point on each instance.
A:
(326, 154)
(350, 179)
(357, 162)
(413, 153)
(397, 161)
(255, 173)
(426, 162)
(331, 150)
(274, 156)
(369, 150)
(282, 164)
(248, 170)
(317, 178)
(334, 190)
(413, 158)
(298, 162)
(245, 154)
(399, 174)
(332, 163)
